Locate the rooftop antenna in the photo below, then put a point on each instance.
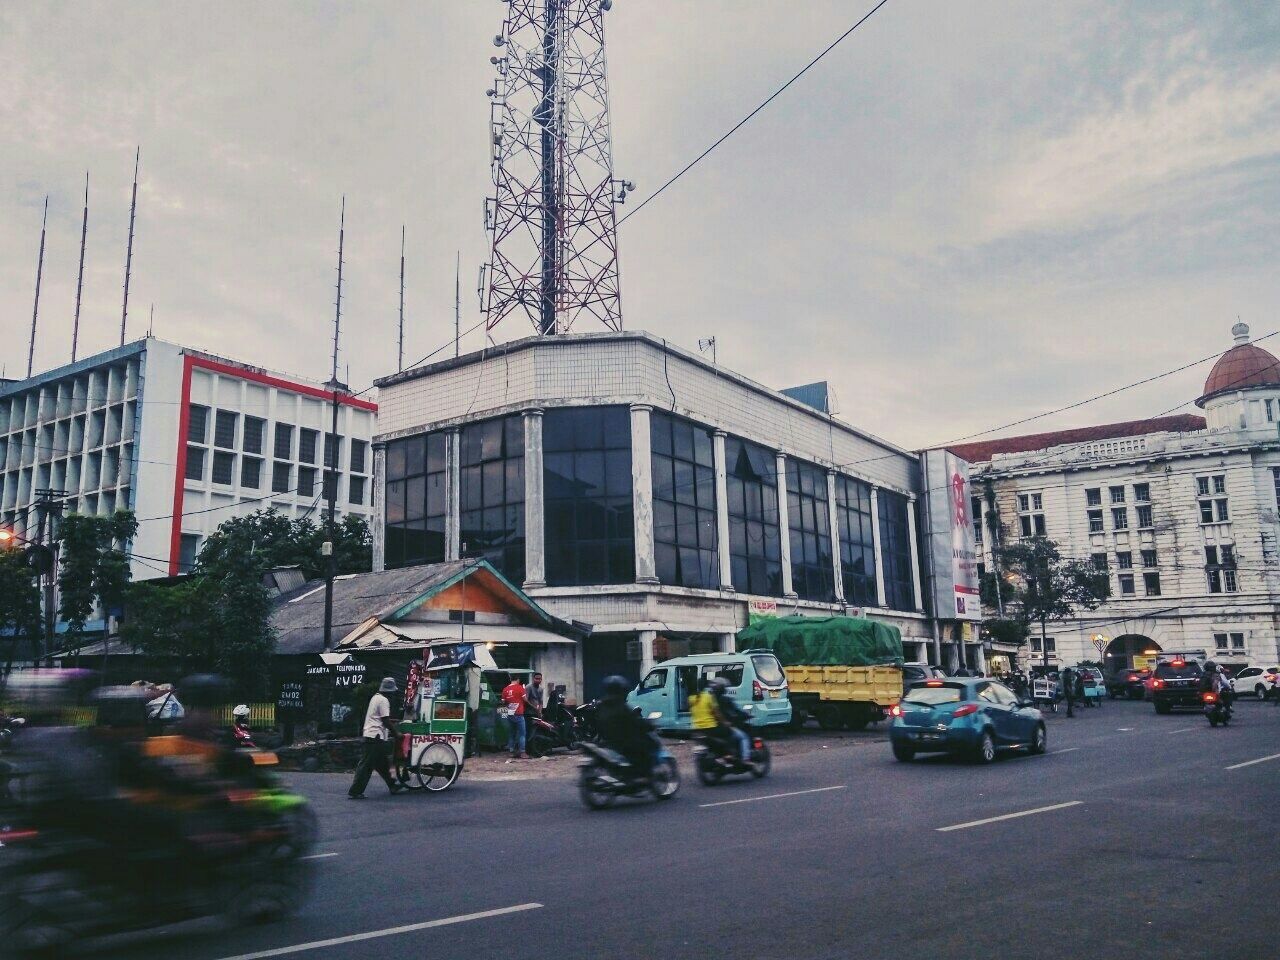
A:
(708, 344)
(151, 324)
(329, 462)
(128, 257)
(457, 304)
(400, 355)
(84, 233)
(35, 310)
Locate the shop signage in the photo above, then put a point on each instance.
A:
(290, 697)
(758, 610)
(950, 536)
(348, 675)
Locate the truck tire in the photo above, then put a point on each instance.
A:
(856, 716)
(798, 717)
(830, 716)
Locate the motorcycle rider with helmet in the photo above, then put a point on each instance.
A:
(240, 733)
(733, 719)
(1213, 680)
(622, 729)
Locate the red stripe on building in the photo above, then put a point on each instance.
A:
(184, 416)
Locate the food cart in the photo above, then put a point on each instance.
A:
(432, 742)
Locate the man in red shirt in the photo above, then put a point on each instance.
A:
(513, 701)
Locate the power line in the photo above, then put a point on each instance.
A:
(743, 122)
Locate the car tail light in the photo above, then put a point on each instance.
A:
(1179, 663)
(895, 711)
(1210, 698)
(1157, 683)
(757, 691)
(933, 683)
(1133, 677)
(967, 709)
(757, 744)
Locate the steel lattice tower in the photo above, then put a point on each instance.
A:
(552, 217)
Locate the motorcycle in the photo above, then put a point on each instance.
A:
(563, 719)
(584, 719)
(718, 757)
(9, 726)
(607, 774)
(1215, 709)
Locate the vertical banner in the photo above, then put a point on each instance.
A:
(950, 538)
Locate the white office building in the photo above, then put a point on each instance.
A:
(631, 485)
(184, 439)
(1182, 511)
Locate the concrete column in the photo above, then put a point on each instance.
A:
(453, 493)
(379, 519)
(646, 638)
(915, 554)
(722, 510)
(728, 641)
(642, 493)
(535, 552)
(784, 528)
(835, 534)
(875, 542)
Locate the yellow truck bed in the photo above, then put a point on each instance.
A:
(881, 686)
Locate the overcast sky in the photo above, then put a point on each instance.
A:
(967, 214)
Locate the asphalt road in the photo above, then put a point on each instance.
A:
(1155, 842)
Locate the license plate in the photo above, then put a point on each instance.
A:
(930, 736)
(775, 693)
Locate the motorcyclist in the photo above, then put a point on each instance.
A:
(240, 733)
(1213, 680)
(621, 728)
(733, 719)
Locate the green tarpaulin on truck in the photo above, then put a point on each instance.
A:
(825, 641)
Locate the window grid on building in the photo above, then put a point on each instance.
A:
(1220, 568)
(684, 502)
(755, 545)
(492, 493)
(857, 543)
(1031, 514)
(809, 517)
(590, 533)
(895, 551)
(1212, 500)
(415, 505)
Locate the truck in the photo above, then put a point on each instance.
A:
(846, 672)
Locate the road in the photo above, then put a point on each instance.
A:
(1157, 838)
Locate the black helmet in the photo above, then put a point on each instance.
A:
(616, 687)
(718, 685)
(1210, 667)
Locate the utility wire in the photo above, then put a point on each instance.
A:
(745, 120)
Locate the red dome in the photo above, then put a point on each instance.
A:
(1243, 366)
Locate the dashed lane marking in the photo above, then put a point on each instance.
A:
(1250, 763)
(318, 856)
(1183, 730)
(1009, 816)
(771, 796)
(1054, 753)
(387, 932)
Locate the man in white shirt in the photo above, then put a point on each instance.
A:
(378, 726)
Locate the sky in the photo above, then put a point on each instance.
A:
(967, 214)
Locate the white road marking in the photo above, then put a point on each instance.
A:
(1250, 763)
(1009, 816)
(1124, 729)
(771, 796)
(1054, 753)
(388, 932)
(319, 856)
(1183, 730)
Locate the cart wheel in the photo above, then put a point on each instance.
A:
(438, 767)
(405, 776)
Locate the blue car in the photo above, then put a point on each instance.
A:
(974, 716)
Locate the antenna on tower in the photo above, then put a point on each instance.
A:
(337, 303)
(151, 323)
(400, 354)
(128, 256)
(329, 459)
(552, 217)
(457, 304)
(35, 309)
(84, 233)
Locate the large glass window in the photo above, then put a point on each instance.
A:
(755, 547)
(895, 551)
(809, 517)
(493, 493)
(590, 532)
(684, 503)
(416, 505)
(857, 544)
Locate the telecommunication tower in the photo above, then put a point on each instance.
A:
(552, 218)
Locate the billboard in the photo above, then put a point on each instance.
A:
(950, 537)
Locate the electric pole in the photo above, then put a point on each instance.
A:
(330, 459)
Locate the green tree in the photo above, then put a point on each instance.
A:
(19, 604)
(94, 568)
(1048, 586)
(274, 540)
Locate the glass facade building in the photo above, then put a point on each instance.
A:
(492, 493)
(895, 551)
(809, 517)
(857, 541)
(755, 545)
(684, 503)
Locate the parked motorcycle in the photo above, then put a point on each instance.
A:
(563, 719)
(717, 757)
(1215, 709)
(585, 721)
(606, 775)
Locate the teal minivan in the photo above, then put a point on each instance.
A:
(755, 678)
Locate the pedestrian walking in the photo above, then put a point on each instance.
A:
(513, 696)
(1069, 689)
(378, 726)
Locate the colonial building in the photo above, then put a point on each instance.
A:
(184, 439)
(628, 484)
(1182, 511)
